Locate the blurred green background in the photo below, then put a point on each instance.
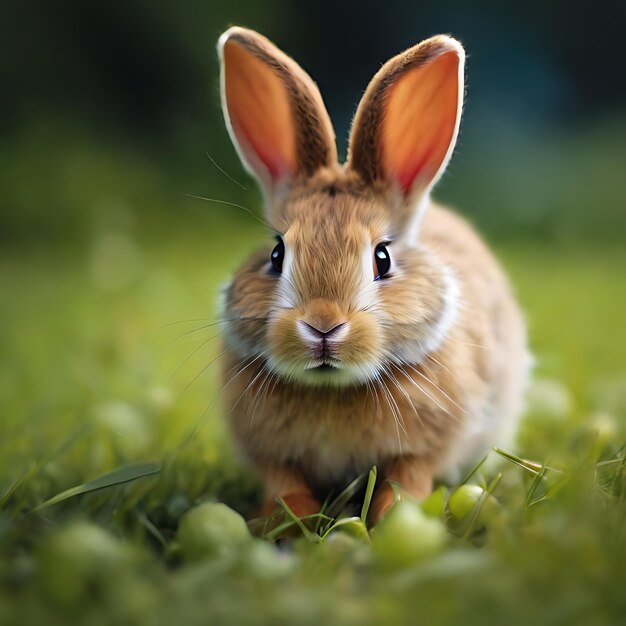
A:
(109, 270)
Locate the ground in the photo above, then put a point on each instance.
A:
(98, 372)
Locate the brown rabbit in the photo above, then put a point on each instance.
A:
(380, 330)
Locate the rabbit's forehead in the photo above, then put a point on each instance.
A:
(328, 258)
(327, 234)
(342, 220)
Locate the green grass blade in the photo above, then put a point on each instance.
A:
(609, 479)
(479, 505)
(398, 492)
(531, 497)
(473, 470)
(12, 489)
(17, 485)
(151, 528)
(341, 501)
(272, 535)
(529, 466)
(353, 526)
(313, 537)
(338, 523)
(369, 492)
(118, 477)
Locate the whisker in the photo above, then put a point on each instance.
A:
(428, 395)
(406, 395)
(439, 389)
(195, 330)
(275, 381)
(375, 393)
(222, 353)
(204, 343)
(248, 386)
(395, 381)
(225, 173)
(221, 320)
(195, 319)
(230, 380)
(370, 391)
(395, 412)
(439, 363)
(234, 204)
(259, 393)
(207, 411)
(476, 345)
(270, 381)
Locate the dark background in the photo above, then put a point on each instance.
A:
(108, 103)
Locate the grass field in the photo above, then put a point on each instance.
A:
(101, 369)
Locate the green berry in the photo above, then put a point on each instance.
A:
(463, 500)
(406, 535)
(212, 530)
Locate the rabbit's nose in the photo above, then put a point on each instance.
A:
(310, 332)
(322, 320)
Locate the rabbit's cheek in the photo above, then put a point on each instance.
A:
(363, 345)
(421, 313)
(283, 340)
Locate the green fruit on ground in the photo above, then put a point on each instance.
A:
(469, 500)
(463, 500)
(406, 535)
(353, 527)
(80, 557)
(263, 560)
(212, 530)
(435, 504)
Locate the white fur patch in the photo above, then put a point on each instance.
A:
(286, 297)
(365, 297)
(416, 351)
(448, 317)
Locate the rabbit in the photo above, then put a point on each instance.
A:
(378, 329)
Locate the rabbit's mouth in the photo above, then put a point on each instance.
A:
(323, 366)
(325, 372)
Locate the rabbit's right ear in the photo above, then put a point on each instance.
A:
(274, 111)
(407, 123)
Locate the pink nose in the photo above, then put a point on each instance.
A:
(322, 344)
(311, 333)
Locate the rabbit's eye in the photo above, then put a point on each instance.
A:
(278, 254)
(382, 261)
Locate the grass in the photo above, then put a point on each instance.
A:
(100, 373)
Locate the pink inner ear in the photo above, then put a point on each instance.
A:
(263, 146)
(407, 176)
(260, 114)
(420, 121)
(420, 166)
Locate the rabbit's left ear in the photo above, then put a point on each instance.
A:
(273, 110)
(406, 125)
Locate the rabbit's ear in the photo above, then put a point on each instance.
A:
(273, 110)
(406, 125)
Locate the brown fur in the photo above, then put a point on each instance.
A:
(413, 388)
